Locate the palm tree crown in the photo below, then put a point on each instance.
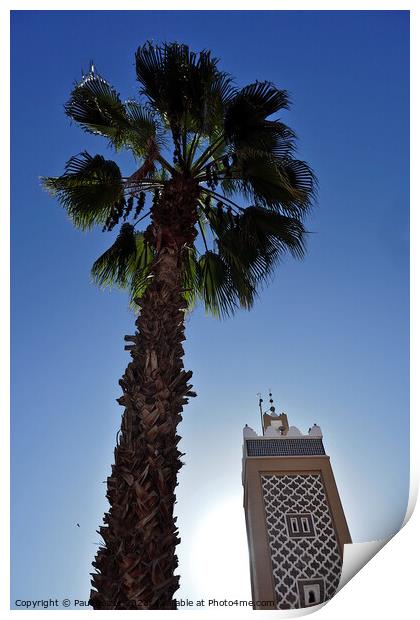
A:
(191, 129)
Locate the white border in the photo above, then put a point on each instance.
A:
(386, 586)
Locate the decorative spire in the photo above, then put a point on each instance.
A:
(272, 407)
(260, 402)
(91, 76)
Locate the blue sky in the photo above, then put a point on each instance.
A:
(329, 335)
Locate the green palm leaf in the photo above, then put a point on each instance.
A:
(215, 285)
(246, 124)
(97, 107)
(280, 233)
(186, 88)
(89, 188)
(258, 240)
(126, 263)
(190, 276)
(145, 254)
(285, 184)
(249, 247)
(117, 264)
(143, 128)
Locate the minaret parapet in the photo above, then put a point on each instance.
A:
(273, 431)
(294, 432)
(278, 438)
(315, 431)
(249, 432)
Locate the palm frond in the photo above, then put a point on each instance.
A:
(246, 124)
(89, 188)
(117, 264)
(186, 88)
(268, 139)
(278, 233)
(190, 276)
(144, 128)
(215, 285)
(259, 238)
(287, 185)
(250, 245)
(97, 107)
(141, 273)
(264, 97)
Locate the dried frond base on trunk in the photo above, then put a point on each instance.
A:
(135, 566)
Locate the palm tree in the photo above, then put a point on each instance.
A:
(202, 146)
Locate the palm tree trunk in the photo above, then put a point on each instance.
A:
(135, 567)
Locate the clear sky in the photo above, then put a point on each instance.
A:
(329, 335)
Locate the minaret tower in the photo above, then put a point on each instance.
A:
(294, 518)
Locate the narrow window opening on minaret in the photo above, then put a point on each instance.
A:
(305, 525)
(311, 597)
(294, 525)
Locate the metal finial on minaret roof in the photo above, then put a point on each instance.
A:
(272, 407)
(260, 402)
(90, 75)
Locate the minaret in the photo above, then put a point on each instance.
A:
(294, 518)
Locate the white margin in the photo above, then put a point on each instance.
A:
(386, 586)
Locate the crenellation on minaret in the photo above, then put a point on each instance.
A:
(275, 430)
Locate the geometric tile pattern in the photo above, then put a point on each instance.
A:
(285, 447)
(295, 559)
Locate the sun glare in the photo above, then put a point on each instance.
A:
(219, 564)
